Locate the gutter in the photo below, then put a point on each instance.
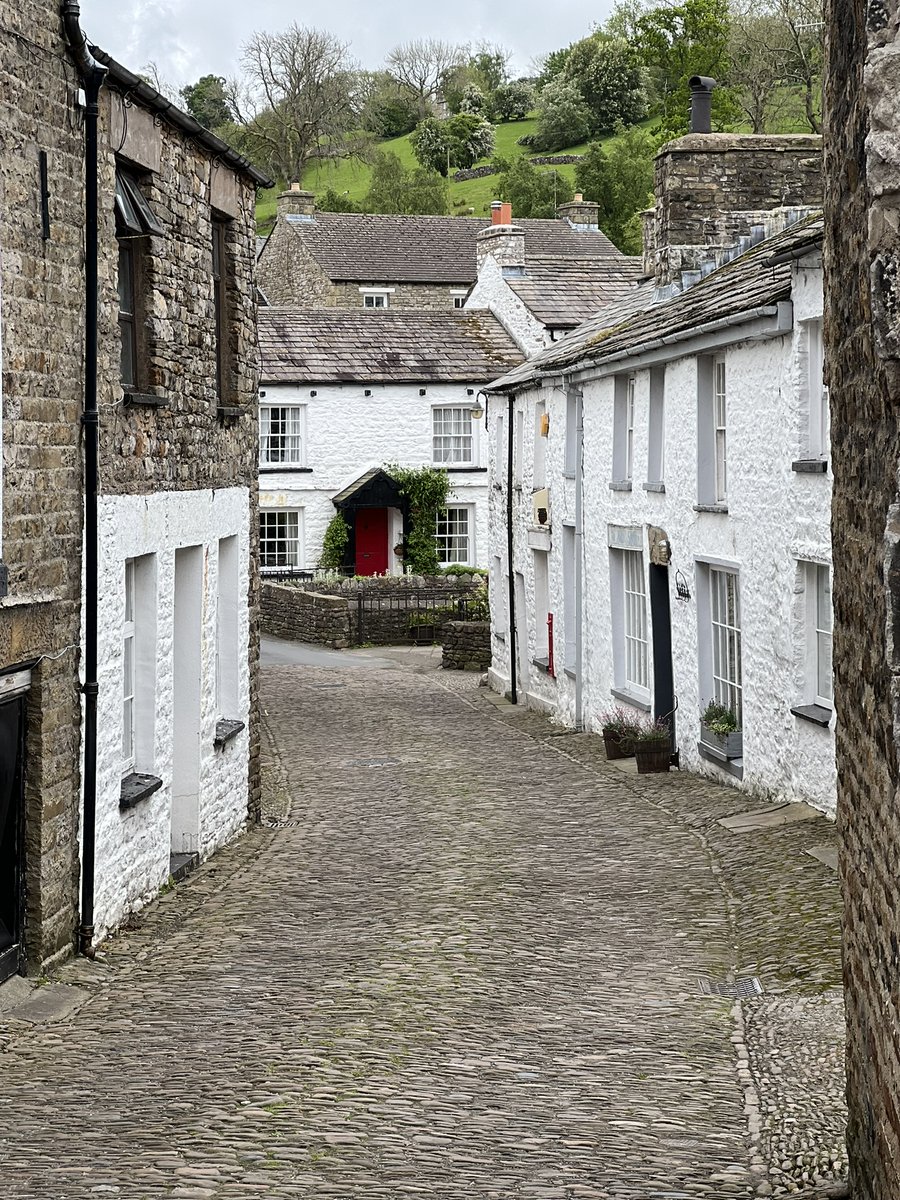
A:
(92, 75)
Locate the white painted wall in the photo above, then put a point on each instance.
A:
(348, 433)
(133, 846)
(491, 291)
(777, 518)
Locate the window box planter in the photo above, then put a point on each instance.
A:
(728, 745)
(653, 755)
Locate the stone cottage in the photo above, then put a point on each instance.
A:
(343, 394)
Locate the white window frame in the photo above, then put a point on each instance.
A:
(720, 428)
(624, 387)
(140, 608)
(228, 606)
(376, 297)
(449, 529)
(293, 438)
(726, 684)
(458, 298)
(569, 543)
(656, 433)
(818, 620)
(519, 457)
(297, 539)
(631, 623)
(571, 460)
(129, 672)
(539, 461)
(541, 563)
(813, 392)
(444, 455)
(499, 597)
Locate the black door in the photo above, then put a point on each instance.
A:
(660, 617)
(12, 775)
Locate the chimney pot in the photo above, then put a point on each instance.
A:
(501, 213)
(701, 103)
(578, 197)
(295, 186)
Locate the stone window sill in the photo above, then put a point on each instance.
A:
(810, 466)
(463, 470)
(542, 664)
(286, 469)
(817, 714)
(145, 400)
(657, 486)
(620, 485)
(711, 508)
(733, 766)
(630, 698)
(226, 730)
(137, 787)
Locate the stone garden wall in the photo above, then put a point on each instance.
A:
(467, 646)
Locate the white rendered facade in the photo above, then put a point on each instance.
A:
(348, 429)
(174, 632)
(717, 449)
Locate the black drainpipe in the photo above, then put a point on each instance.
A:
(92, 76)
(513, 692)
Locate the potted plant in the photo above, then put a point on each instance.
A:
(653, 746)
(720, 730)
(618, 727)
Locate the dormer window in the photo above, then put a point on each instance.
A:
(375, 297)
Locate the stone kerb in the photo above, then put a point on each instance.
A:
(467, 646)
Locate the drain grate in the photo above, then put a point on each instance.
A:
(372, 762)
(740, 989)
(276, 823)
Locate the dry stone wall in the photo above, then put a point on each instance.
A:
(862, 258)
(467, 646)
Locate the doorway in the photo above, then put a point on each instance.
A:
(661, 623)
(371, 541)
(12, 822)
(187, 675)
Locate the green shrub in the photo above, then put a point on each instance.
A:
(334, 545)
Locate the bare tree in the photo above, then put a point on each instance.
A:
(297, 101)
(805, 26)
(421, 65)
(776, 47)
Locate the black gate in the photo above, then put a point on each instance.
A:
(661, 619)
(12, 812)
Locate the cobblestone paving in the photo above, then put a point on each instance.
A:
(464, 962)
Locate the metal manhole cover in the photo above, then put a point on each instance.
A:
(740, 989)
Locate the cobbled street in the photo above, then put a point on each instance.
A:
(463, 958)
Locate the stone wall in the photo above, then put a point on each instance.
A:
(711, 188)
(302, 616)
(467, 646)
(42, 332)
(863, 368)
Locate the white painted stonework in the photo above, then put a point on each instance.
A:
(347, 433)
(133, 846)
(777, 521)
(491, 291)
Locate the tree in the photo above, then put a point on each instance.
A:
(563, 117)
(610, 75)
(473, 100)
(421, 65)
(531, 191)
(551, 65)
(207, 101)
(805, 52)
(458, 141)
(491, 61)
(385, 108)
(299, 97)
(677, 41)
(775, 50)
(332, 201)
(512, 101)
(395, 189)
(619, 179)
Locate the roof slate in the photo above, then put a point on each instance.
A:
(752, 280)
(562, 293)
(382, 346)
(370, 248)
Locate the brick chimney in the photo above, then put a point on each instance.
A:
(581, 214)
(502, 240)
(295, 203)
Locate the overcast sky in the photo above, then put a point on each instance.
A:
(190, 38)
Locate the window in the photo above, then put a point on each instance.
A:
(279, 539)
(499, 597)
(220, 274)
(725, 631)
(568, 555)
(453, 537)
(818, 685)
(227, 635)
(139, 664)
(539, 468)
(633, 675)
(623, 429)
(519, 462)
(501, 450)
(656, 447)
(571, 461)
(541, 606)
(134, 222)
(375, 300)
(814, 393)
(452, 439)
(281, 439)
(712, 432)
(459, 299)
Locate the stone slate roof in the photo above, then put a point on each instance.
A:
(382, 346)
(562, 293)
(759, 278)
(372, 248)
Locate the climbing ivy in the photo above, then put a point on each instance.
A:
(426, 490)
(334, 546)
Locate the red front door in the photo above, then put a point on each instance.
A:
(371, 541)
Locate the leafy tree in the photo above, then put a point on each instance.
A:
(421, 65)
(455, 142)
(610, 75)
(531, 191)
(490, 62)
(332, 201)
(563, 117)
(677, 41)
(385, 108)
(473, 100)
(395, 189)
(207, 102)
(619, 179)
(512, 101)
(298, 97)
(551, 65)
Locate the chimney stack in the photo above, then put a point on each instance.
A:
(295, 203)
(503, 241)
(701, 103)
(581, 214)
(501, 213)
